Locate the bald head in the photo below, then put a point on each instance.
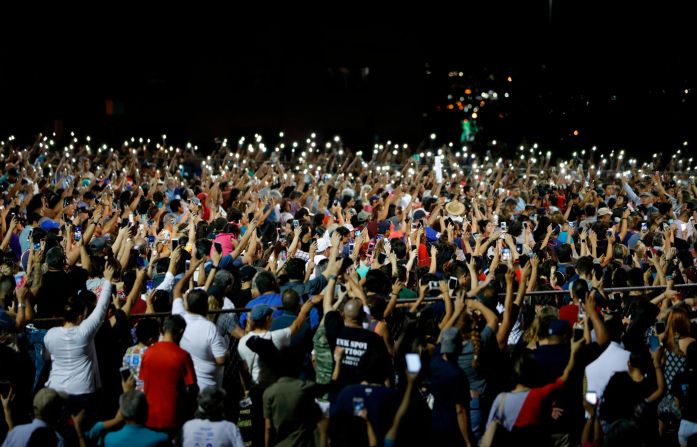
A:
(353, 310)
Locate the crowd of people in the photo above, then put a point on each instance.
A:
(152, 296)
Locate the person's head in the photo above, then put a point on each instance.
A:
(377, 281)
(148, 331)
(555, 331)
(55, 259)
(295, 269)
(564, 253)
(584, 267)
(353, 311)
(265, 282)
(197, 301)
(211, 404)
(74, 309)
(174, 328)
(134, 407)
(246, 274)
(623, 432)
(161, 301)
(677, 326)
(48, 406)
(646, 198)
(579, 289)
(604, 215)
(377, 305)
(261, 316)
(614, 328)
(524, 368)
(291, 300)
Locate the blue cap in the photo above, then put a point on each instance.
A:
(431, 234)
(49, 224)
(260, 311)
(558, 328)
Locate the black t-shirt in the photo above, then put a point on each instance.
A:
(550, 362)
(684, 387)
(449, 387)
(356, 342)
(622, 395)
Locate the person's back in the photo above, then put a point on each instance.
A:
(207, 432)
(135, 436)
(48, 409)
(355, 340)
(201, 339)
(133, 407)
(165, 370)
(598, 373)
(72, 347)
(290, 405)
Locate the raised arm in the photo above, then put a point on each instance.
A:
(91, 324)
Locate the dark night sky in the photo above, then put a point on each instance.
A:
(243, 75)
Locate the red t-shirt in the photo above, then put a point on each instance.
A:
(531, 411)
(165, 371)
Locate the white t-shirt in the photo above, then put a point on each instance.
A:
(204, 432)
(598, 373)
(259, 371)
(204, 343)
(74, 368)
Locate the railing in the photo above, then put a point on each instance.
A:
(46, 321)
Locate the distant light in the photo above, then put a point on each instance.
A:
(684, 143)
(336, 139)
(509, 79)
(575, 133)
(433, 136)
(493, 142)
(474, 115)
(505, 95)
(280, 134)
(313, 135)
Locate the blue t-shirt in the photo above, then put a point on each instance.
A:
(135, 436)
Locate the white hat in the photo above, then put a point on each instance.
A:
(323, 244)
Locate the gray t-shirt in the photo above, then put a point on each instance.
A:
(475, 378)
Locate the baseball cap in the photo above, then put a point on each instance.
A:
(645, 194)
(247, 272)
(49, 224)
(450, 341)
(97, 243)
(604, 212)
(260, 311)
(419, 214)
(558, 328)
(323, 244)
(363, 216)
(384, 226)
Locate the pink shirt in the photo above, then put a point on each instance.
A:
(225, 240)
